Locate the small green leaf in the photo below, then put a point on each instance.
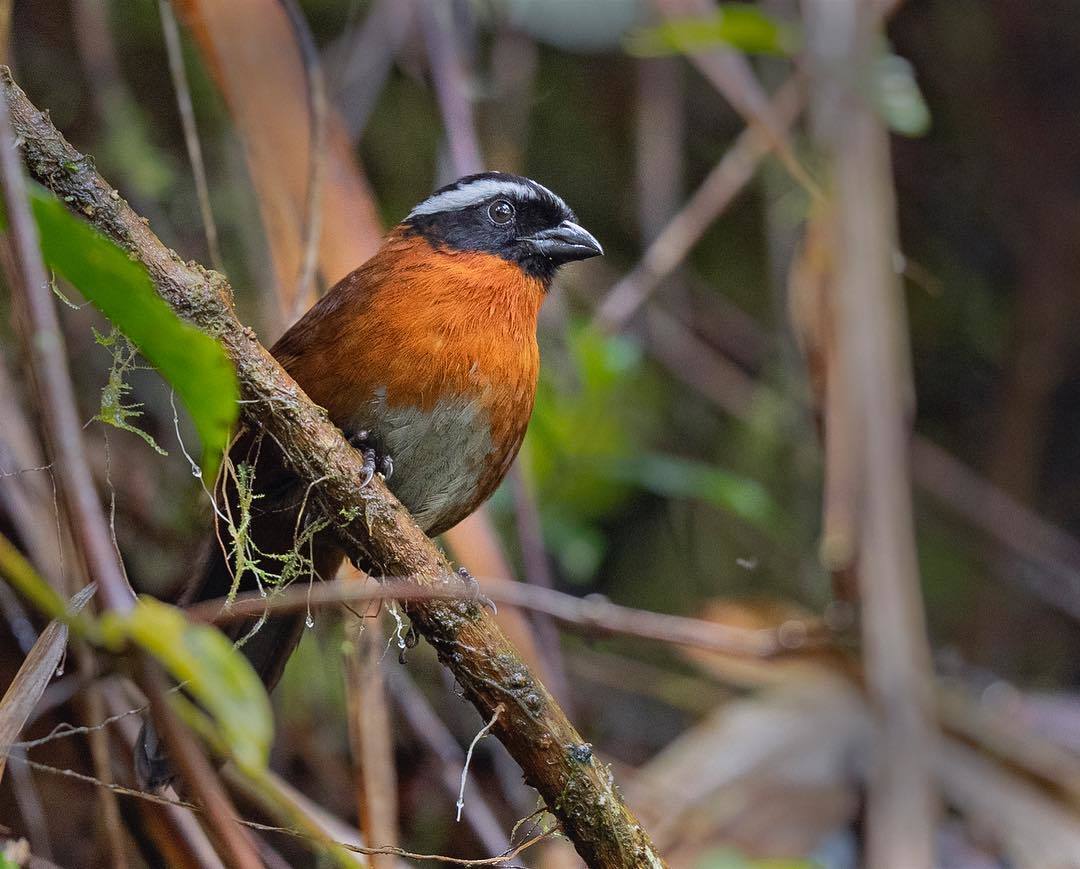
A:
(192, 362)
(680, 478)
(734, 25)
(725, 859)
(214, 673)
(20, 574)
(897, 97)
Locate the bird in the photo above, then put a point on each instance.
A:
(426, 358)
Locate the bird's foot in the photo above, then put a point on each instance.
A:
(475, 592)
(374, 461)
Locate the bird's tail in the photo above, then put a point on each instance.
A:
(276, 517)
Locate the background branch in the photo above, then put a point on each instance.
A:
(872, 373)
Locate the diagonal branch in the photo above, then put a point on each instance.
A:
(370, 522)
(723, 183)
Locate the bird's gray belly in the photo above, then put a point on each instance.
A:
(439, 456)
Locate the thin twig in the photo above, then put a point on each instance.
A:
(733, 77)
(468, 757)
(175, 52)
(26, 497)
(719, 189)
(64, 730)
(91, 704)
(426, 726)
(115, 106)
(303, 295)
(660, 126)
(371, 738)
(593, 614)
(1050, 566)
(451, 86)
(368, 56)
(284, 831)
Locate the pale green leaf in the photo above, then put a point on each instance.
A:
(897, 97)
(212, 670)
(740, 26)
(672, 477)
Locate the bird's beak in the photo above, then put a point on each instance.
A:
(564, 243)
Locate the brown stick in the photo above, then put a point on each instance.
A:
(731, 74)
(589, 614)
(232, 839)
(370, 522)
(371, 739)
(873, 367)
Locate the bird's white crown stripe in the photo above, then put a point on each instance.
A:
(475, 192)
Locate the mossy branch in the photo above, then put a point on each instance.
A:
(372, 525)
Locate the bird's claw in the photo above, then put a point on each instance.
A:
(475, 592)
(367, 473)
(373, 460)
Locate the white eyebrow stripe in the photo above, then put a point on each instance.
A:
(474, 193)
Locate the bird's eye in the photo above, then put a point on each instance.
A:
(501, 212)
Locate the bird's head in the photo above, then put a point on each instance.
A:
(509, 216)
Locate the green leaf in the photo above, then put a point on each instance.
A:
(735, 25)
(191, 361)
(726, 859)
(214, 673)
(680, 478)
(897, 97)
(20, 574)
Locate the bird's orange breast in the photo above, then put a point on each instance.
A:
(434, 353)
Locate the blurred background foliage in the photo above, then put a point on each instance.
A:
(649, 491)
